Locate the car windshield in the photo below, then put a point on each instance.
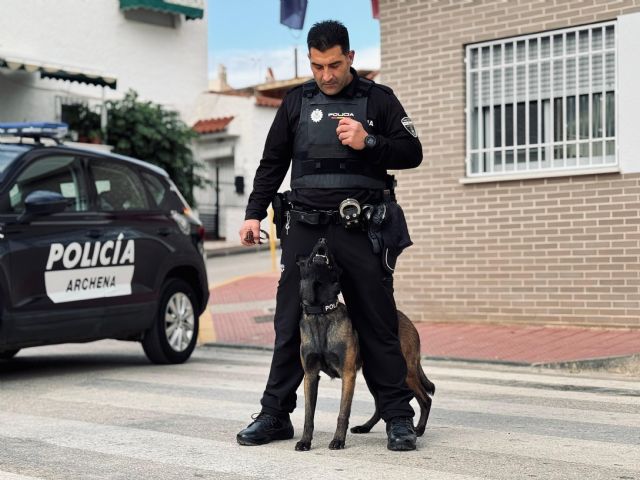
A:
(8, 153)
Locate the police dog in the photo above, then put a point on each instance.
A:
(330, 344)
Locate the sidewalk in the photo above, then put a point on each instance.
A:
(242, 314)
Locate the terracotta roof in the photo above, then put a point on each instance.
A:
(244, 92)
(372, 74)
(212, 125)
(278, 84)
(262, 101)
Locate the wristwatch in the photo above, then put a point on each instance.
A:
(370, 141)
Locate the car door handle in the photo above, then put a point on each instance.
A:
(94, 234)
(164, 231)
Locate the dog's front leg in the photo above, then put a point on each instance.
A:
(348, 386)
(311, 381)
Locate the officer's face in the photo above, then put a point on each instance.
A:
(331, 68)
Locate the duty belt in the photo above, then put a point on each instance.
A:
(316, 217)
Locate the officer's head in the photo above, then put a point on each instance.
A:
(330, 56)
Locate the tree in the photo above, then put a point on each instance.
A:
(149, 132)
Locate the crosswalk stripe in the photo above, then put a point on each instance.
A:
(215, 456)
(331, 389)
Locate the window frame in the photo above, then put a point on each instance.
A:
(481, 154)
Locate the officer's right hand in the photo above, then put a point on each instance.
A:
(250, 232)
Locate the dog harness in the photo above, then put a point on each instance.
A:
(320, 309)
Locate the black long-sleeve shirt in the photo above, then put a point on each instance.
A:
(396, 148)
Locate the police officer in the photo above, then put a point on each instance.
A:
(341, 132)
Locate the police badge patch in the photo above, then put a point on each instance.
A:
(316, 115)
(408, 125)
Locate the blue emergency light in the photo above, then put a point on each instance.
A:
(35, 130)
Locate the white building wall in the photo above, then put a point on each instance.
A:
(628, 102)
(250, 127)
(163, 64)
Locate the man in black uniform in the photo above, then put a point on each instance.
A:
(341, 132)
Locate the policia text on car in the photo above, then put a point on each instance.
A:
(341, 133)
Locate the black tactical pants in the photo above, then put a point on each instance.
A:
(368, 292)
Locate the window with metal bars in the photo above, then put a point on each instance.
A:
(542, 102)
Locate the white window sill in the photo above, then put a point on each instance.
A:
(505, 177)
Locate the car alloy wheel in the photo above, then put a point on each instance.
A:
(172, 336)
(179, 321)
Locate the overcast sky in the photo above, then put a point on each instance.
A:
(246, 36)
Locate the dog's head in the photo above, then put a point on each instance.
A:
(319, 276)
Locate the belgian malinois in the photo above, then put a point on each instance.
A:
(330, 344)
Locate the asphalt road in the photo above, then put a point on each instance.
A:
(100, 411)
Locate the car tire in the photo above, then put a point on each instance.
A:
(174, 333)
(8, 354)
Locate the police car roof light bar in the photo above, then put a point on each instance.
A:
(35, 130)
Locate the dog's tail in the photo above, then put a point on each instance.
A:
(428, 385)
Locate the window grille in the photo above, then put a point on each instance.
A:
(542, 102)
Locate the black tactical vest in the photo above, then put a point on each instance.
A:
(319, 158)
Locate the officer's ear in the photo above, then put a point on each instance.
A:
(351, 55)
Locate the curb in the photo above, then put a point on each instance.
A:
(603, 363)
(489, 361)
(237, 346)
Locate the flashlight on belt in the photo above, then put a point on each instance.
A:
(350, 212)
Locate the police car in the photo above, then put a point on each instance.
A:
(93, 246)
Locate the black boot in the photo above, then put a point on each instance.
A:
(265, 428)
(401, 434)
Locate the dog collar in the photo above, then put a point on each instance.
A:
(320, 309)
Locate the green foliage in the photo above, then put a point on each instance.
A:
(149, 132)
(84, 121)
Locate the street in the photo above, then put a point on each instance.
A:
(102, 411)
(226, 267)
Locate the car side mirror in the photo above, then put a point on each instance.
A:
(43, 202)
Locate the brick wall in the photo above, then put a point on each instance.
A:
(544, 251)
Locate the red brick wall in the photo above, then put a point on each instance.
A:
(538, 251)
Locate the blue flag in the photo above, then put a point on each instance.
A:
(292, 13)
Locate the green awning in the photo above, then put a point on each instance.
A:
(59, 72)
(191, 9)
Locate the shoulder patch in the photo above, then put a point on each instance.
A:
(407, 123)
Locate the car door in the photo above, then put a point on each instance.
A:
(140, 236)
(54, 290)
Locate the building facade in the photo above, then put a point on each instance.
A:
(525, 208)
(232, 132)
(54, 55)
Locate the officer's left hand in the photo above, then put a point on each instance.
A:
(351, 133)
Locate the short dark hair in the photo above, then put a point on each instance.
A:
(327, 34)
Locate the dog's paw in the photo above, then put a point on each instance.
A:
(303, 446)
(420, 431)
(360, 429)
(336, 444)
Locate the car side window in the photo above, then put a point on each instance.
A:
(60, 174)
(159, 191)
(118, 187)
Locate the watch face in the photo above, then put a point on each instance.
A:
(370, 141)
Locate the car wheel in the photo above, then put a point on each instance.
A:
(8, 354)
(174, 332)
